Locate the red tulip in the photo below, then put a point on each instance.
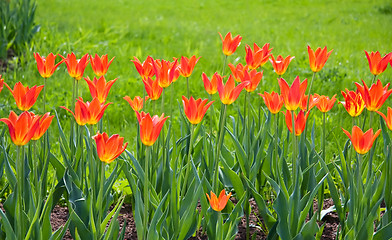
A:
(258, 57)
(280, 64)
(75, 66)
(238, 72)
(145, 69)
(325, 104)
(150, 127)
(388, 118)
(195, 109)
(362, 142)
(109, 149)
(25, 97)
(1, 83)
(312, 102)
(229, 93)
(353, 103)
(299, 121)
(230, 44)
(377, 64)
(99, 87)
(293, 95)
(153, 89)
(44, 123)
(22, 128)
(136, 103)
(375, 96)
(218, 203)
(254, 79)
(187, 65)
(46, 66)
(273, 101)
(166, 72)
(100, 65)
(318, 58)
(211, 86)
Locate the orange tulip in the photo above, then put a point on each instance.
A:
(195, 109)
(273, 101)
(166, 72)
(88, 113)
(153, 89)
(362, 142)
(187, 65)
(44, 123)
(25, 97)
(258, 57)
(100, 65)
(314, 99)
(318, 58)
(99, 87)
(75, 66)
(229, 93)
(299, 121)
(325, 103)
(254, 79)
(388, 118)
(22, 128)
(353, 103)
(280, 64)
(211, 86)
(144, 69)
(109, 149)
(136, 103)
(238, 72)
(377, 64)
(150, 127)
(1, 83)
(293, 95)
(230, 44)
(218, 203)
(375, 96)
(46, 66)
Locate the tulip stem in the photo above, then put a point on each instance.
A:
(71, 142)
(224, 66)
(171, 99)
(276, 163)
(321, 191)
(188, 168)
(146, 186)
(294, 142)
(163, 101)
(374, 78)
(307, 103)
(218, 147)
(370, 119)
(19, 169)
(187, 87)
(100, 202)
(45, 95)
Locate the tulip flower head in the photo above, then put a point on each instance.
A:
(280, 64)
(312, 102)
(136, 103)
(25, 97)
(109, 149)
(353, 103)
(292, 95)
(230, 44)
(187, 65)
(44, 123)
(377, 64)
(375, 96)
(150, 127)
(254, 79)
(1, 83)
(238, 72)
(100, 65)
(228, 93)
(211, 86)
(318, 58)
(258, 57)
(388, 118)
(99, 87)
(218, 203)
(195, 109)
(144, 69)
(273, 101)
(22, 128)
(362, 142)
(153, 89)
(166, 72)
(325, 104)
(299, 121)
(75, 66)
(46, 66)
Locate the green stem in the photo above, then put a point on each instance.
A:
(20, 172)
(163, 101)
(224, 66)
(92, 165)
(374, 78)
(146, 186)
(294, 142)
(217, 151)
(307, 103)
(73, 119)
(188, 168)
(275, 167)
(45, 95)
(321, 191)
(370, 119)
(187, 87)
(100, 197)
(171, 99)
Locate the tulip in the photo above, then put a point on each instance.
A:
(137, 102)
(46, 66)
(318, 58)
(230, 44)
(388, 118)
(25, 97)
(299, 121)
(195, 109)
(377, 64)
(144, 69)
(362, 142)
(187, 65)
(238, 72)
(109, 149)
(254, 79)
(273, 101)
(228, 93)
(353, 103)
(312, 102)
(325, 103)
(44, 123)
(75, 66)
(1, 83)
(280, 64)
(258, 57)
(293, 95)
(88, 113)
(166, 72)
(22, 128)
(100, 65)
(153, 89)
(99, 87)
(218, 203)
(150, 127)
(211, 86)
(375, 96)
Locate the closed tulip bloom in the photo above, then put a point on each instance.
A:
(218, 203)
(46, 66)
(153, 89)
(25, 97)
(211, 86)
(44, 123)
(325, 104)
(195, 109)
(254, 79)
(273, 101)
(109, 149)
(258, 57)
(388, 118)
(362, 142)
(375, 96)
(99, 87)
(353, 103)
(166, 72)
(88, 113)
(378, 64)
(299, 121)
(136, 103)
(1, 83)
(22, 128)
(318, 58)
(280, 64)
(75, 66)
(312, 102)
(229, 93)
(238, 72)
(99, 64)
(144, 69)
(292, 95)
(230, 44)
(150, 127)
(187, 65)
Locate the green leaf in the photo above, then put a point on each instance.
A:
(384, 233)
(7, 226)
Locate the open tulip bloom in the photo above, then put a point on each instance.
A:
(299, 121)
(281, 64)
(375, 96)
(314, 99)
(195, 109)
(258, 57)
(44, 123)
(292, 95)
(150, 127)
(230, 44)
(25, 97)
(238, 72)
(362, 142)
(166, 72)
(228, 93)
(353, 103)
(211, 86)
(377, 64)
(153, 89)
(187, 65)
(75, 66)
(22, 128)
(318, 58)
(273, 101)
(99, 64)
(388, 118)
(218, 203)
(325, 104)
(46, 66)
(137, 102)
(109, 149)
(144, 69)
(99, 87)
(254, 78)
